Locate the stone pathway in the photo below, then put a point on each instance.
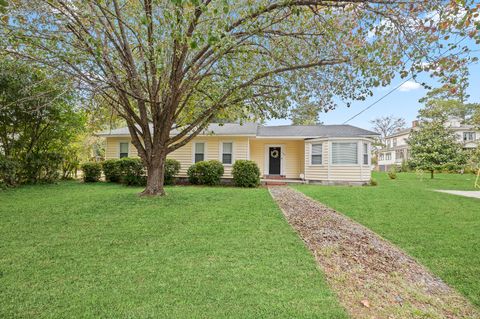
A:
(473, 194)
(372, 277)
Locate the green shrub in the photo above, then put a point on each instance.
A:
(8, 172)
(111, 169)
(132, 171)
(373, 182)
(246, 173)
(392, 173)
(91, 171)
(405, 167)
(42, 167)
(205, 173)
(172, 167)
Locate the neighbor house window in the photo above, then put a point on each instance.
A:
(199, 152)
(469, 136)
(227, 153)
(123, 150)
(365, 153)
(316, 154)
(382, 157)
(344, 153)
(394, 142)
(388, 156)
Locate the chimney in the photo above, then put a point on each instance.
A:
(415, 123)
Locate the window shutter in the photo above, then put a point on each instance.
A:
(344, 153)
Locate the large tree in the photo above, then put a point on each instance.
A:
(386, 126)
(434, 147)
(168, 67)
(38, 121)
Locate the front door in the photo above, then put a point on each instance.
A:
(274, 158)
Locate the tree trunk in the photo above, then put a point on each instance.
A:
(155, 175)
(431, 174)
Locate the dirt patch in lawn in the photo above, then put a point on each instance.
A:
(372, 277)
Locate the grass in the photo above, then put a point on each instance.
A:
(440, 230)
(100, 251)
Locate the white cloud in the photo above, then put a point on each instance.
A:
(410, 86)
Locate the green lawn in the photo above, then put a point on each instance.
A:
(440, 230)
(100, 251)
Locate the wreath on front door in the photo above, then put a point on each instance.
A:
(274, 153)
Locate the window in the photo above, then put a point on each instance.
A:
(382, 157)
(394, 142)
(227, 151)
(469, 136)
(199, 152)
(365, 153)
(388, 156)
(123, 150)
(316, 154)
(399, 154)
(344, 153)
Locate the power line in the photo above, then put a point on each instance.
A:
(398, 86)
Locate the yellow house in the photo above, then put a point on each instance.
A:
(326, 154)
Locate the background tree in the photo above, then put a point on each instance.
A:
(166, 65)
(306, 112)
(38, 121)
(434, 147)
(386, 126)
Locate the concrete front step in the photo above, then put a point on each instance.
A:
(274, 177)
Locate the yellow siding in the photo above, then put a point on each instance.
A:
(292, 155)
(112, 148)
(295, 157)
(185, 154)
(335, 173)
(316, 172)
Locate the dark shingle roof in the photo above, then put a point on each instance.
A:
(254, 129)
(214, 128)
(314, 131)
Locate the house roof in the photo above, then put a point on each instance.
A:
(254, 129)
(311, 131)
(401, 132)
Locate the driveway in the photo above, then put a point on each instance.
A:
(473, 194)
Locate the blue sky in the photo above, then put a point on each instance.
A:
(401, 103)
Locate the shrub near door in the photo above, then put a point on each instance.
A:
(246, 173)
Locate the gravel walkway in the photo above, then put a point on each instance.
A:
(372, 277)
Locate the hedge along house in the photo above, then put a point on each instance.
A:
(328, 154)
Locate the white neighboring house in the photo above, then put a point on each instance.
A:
(397, 150)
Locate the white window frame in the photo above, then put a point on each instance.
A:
(311, 153)
(367, 153)
(120, 149)
(220, 157)
(330, 151)
(470, 133)
(204, 150)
